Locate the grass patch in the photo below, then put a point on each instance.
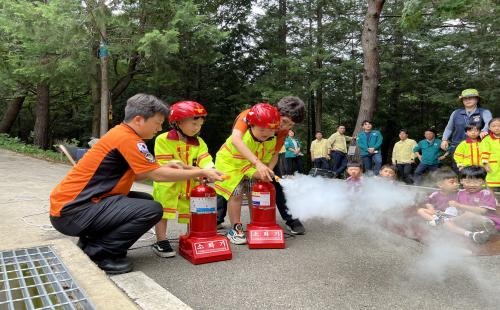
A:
(16, 145)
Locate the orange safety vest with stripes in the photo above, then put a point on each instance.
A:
(229, 161)
(174, 196)
(490, 154)
(467, 153)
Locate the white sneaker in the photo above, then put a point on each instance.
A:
(480, 236)
(236, 235)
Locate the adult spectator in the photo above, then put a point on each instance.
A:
(293, 154)
(338, 150)
(94, 201)
(429, 154)
(403, 156)
(369, 142)
(470, 114)
(320, 151)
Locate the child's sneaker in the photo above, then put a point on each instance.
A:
(436, 220)
(236, 234)
(163, 249)
(480, 236)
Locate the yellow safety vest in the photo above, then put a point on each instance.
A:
(467, 154)
(490, 154)
(229, 161)
(174, 196)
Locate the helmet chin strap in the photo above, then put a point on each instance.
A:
(176, 127)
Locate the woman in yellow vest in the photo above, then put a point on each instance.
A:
(181, 145)
(263, 120)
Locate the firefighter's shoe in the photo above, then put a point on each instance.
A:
(236, 235)
(163, 249)
(296, 227)
(480, 236)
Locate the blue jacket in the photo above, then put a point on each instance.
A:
(459, 119)
(375, 141)
(289, 144)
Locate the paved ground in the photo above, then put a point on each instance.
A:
(331, 267)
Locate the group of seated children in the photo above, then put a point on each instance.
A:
(470, 211)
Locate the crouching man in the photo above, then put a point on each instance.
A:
(94, 201)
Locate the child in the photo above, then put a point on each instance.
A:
(260, 138)
(436, 209)
(467, 152)
(292, 111)
(354, 172)
(490, 154)
(181, 145)
(388, 172)
(477, 205)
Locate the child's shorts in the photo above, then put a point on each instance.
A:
(244, 187)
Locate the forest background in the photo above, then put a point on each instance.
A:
(68, 67)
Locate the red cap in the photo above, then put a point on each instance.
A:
(185, 109)
(264, 115)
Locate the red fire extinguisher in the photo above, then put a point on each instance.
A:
(263, 232)
(202, 244)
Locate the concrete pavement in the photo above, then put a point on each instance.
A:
(333, 266)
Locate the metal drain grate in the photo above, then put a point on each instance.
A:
(36, 278)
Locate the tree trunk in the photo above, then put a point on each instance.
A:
(371, 71)
(104, 88)
(41, 130)
(11, 114)
(319, 67)
(282, 46)
(95, 90)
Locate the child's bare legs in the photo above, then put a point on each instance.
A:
(427, 213)
(162, 246)
(456, 225)
(235, 234)
(234, 209)
(161, 230)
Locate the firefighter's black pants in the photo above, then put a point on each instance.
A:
(108, 228)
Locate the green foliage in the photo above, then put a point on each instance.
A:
(228, 55)
(16, 145)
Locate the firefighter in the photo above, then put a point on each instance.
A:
(182, 145)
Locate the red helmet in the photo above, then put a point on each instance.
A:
(264, 115)
(185, 109)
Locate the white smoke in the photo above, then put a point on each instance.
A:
(315, 197)
(445, 255)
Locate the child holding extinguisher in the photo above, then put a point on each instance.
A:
(260, 139)
(181, 145)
